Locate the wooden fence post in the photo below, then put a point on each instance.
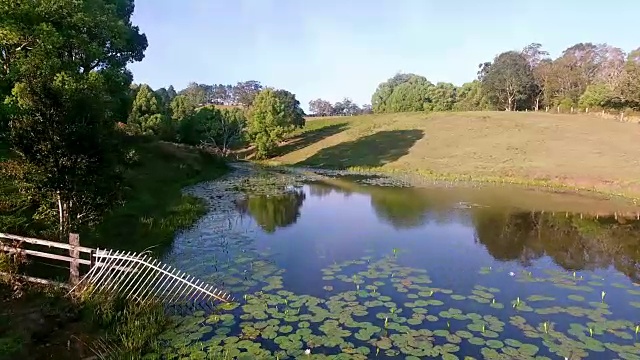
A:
(74, 267)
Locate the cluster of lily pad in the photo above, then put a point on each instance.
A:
(396, 311)
(374, 307)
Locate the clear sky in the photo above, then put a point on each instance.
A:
(333, 49)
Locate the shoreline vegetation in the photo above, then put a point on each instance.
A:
(45, 322)
(569, 153)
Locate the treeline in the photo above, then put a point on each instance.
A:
(67, 105)
(584, 76)
(346, 107)
(219, 116)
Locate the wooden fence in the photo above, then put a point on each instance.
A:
(24, 246)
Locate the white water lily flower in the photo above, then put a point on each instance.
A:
(307, 352)
(512, 274)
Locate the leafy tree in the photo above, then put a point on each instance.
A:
(366, 109)
(538, 62)
(410, 95)
(441, 97)
(321, 107)
(181, 108)
(509, 78)
(394, 96)
(469, 97)
(245, 92)
(292, 110)
(164, 97)
(220, 128)
(194, 128)
(196, 93)
(275, 113)
(148, 115)
(61, 59)
(598, 95)
(273, 212)
(228, 131)
(119, 99)
(629, 86)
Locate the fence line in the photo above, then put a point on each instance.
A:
(16, 247)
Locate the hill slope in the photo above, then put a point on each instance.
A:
(574, 150)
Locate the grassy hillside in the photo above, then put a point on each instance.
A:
(550, 149)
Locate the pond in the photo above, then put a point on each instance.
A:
(340, 268)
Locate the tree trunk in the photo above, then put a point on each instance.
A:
(537, 102)
(63, 217)
(60, 216)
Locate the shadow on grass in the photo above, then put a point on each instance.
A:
(370, 151)
(309, 137)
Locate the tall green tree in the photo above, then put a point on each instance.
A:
(441, 97)
(629, 86)
(228, 131)
(402, 92)
(60, 59)
(274, 114)
(181, 107)
(508, 79)
(147, 113)
(470, 97)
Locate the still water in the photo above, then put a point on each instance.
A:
(341, 269)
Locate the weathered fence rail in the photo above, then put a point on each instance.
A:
(15, 245)
(136, 276)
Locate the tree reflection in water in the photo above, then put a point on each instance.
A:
(273, 211)
(573, 241)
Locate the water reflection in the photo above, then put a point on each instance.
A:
(508, 232)
(572, 241)
(274, 211)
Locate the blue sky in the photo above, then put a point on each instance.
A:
(333, 49)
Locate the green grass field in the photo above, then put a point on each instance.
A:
(577, 151)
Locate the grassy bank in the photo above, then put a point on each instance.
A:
(538, 149)
(45, 324)
(154, 206)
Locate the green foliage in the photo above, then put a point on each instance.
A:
(69, 156)
(221, 129)
(471, 98)
(147, 113)
(401, 93)
(442, 97)
(181, 108)
(66, 91)
(597, 95)
(508, 79)
(274, 211)
(275, 114)
(134, 328)
(566, 104)
(154, 207)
